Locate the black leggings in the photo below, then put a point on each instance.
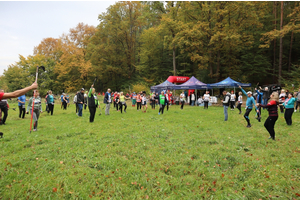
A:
(182, 104)
(239, 107)
(232, 104)
(139, 105)
(65, 105)
(297, 104)
(153, 104)
(121, 107)
(205, 104)
(288, 115)
(161, 108)
(246, 115)
(92, 113)
(51, 106)
(22, 112)
(4, 110)
(269, 124)
(167, 106)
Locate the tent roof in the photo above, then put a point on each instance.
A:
(228, 82)
(192, 83)
(167, 85)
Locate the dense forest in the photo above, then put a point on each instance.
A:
(143, 43)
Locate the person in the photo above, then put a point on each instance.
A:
(232, 100)
(282, 98)
(50, 102)
(46, 102)
(162, 102)
(156, 98)
(182, 99)
(37, 108)
(298, 100)
(240, 102)
(116, 100)
(4, 107)
(93, 103)
(122, 102)
(68, 99)
(85, 97)
(168, 99)
(144, 103)
(21, 104)
(272, 107)
(18, 93)
(259, 101)
(206, 98)
(75, 102)
(249, 105)
(138, 101)
(133, 99)
(225, 101)
(289, 108)
(107, 101)
(266, 95)
(153, 100)
(62, 100)
(193, 99)
(80, 101)
(65, 103)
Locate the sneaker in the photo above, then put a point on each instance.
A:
(159, 113)
(34, 130)
(270, 137)
(295, 110)
(248, 126)
(125, 111)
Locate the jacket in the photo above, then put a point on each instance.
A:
(226, 99)
(80, 97)
(37, 104)
(107, 98)
(272, 108)
(290, 103)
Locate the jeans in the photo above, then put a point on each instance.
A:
(193, 103)
(80, 106)
(226, 112)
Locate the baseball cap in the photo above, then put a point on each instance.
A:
(249, 92)
(82, 89)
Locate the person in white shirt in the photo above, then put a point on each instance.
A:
(206, 98)
(240, 102)
(193, 99)
(182, 99)
(144, 103)
(232, 100)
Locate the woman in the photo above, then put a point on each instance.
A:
(65, 103)
(37, 108)
(50, 102)
(282, 98)
(240, 102)
(273, 114)
(122, 102)
(206, 98)
(232, 100)
(139, 101)
(289, 108)
(182, 100)
(133, 99)
(21, 104)
(161, 101)
(93, 103)
(144, 103)
(153, 100)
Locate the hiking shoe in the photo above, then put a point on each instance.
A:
(248, 126)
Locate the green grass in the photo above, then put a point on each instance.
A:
(182, 154)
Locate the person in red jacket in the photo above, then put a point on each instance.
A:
(272, 107)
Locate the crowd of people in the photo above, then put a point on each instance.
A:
(264, 98)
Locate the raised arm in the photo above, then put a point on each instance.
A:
(18, 93)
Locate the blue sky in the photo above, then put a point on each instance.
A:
(24, 24)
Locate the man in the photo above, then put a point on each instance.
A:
(225, 101)
(298, 100)
(80, 101)
(3, 108)
(266, 95)
(62, 100)
(259, 101)
(249, 105)
(168, 99)
(162, 102)
(18, 93)
(75, 102)
(107, 101)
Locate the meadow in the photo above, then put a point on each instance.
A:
(183, 154)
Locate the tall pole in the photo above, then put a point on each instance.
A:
(280, 50)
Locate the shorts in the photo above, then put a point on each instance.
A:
(145, 103)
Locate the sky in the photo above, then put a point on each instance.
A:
(24, 24)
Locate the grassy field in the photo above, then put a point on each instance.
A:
(182, 154)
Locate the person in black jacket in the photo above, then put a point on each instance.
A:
(266, 95)
(92, 103)
(107, 101)
(80, 101)
(225, 102)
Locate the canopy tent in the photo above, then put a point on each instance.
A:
(167, 85)
(192, 83)
(228, 82)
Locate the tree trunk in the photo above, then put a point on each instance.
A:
(280, 48)
(274, 51)
(174, 60)
(290, 56)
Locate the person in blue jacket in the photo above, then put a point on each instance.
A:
(259, 100)
(249, 105)
(21, 104)
(289, 108)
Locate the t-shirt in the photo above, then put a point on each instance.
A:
(182, 97)
(162, 99)
(23, 99)
(144, 100)
(1, 95)
(232, 97)
(122, 99)
(206, 97)
(240, 99)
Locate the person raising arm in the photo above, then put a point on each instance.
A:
(18, 93)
